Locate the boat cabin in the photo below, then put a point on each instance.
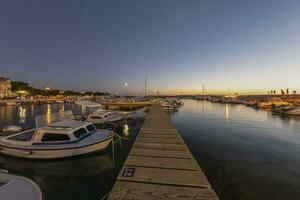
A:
(65, 131)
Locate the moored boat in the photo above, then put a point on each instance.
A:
(61, 139)
(10, 129)
(287, 110)
(12, 103)
(104, 116)
(14, 187)
(98, 115)
(272, 102)
(169, 107)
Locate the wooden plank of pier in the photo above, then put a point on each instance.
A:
(160, 165)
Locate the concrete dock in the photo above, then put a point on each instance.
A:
(160, 165)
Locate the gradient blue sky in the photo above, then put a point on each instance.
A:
(232, 45)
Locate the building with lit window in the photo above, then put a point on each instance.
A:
(5, 87)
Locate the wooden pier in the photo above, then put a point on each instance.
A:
(160, 165)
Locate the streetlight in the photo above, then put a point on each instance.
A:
(124, 86)
(46, 88)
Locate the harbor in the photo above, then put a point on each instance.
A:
(154, 100)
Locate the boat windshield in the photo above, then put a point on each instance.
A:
(26, 136)
(90, 127)
(96, 117)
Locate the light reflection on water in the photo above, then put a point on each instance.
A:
(22, 114)
(246, 153)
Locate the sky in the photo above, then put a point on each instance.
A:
(229, 46)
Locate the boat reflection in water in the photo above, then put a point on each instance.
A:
(86, 177)
(90, 165)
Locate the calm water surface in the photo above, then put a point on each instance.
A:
(245, 153)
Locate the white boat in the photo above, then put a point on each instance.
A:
(61, 139)
(169, 107)
(10, 129)
(12, 103)
(287, 110)
(126, 114)
(16, 187)
(293, 111)
(104, 116)
(272, 102)
(100, 116)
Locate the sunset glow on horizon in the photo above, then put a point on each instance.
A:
(248, 47)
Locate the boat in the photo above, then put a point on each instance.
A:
(169, 107)
(171, 104)
(65, 138)
(105, 116)
(215, 99)
(14, 187)
(12, 103)
(272, 102)
(98, 115)
(126, 114)
(10, 129)
(287, 110)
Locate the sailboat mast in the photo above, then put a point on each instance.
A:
(145, 86)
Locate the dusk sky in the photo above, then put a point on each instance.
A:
(233, 45)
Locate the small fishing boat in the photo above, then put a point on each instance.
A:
(272, 102)
(104, 116)
(169, 107)
(59, 102)
(12, 103)
(61, 139)
(14, 187)
(10, 129)
(100, 116)
(287, 110)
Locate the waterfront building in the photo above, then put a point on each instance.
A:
(5, 87)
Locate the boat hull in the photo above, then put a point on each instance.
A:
(17, 187)
(35, 153)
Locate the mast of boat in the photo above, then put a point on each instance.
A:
(145, 86)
